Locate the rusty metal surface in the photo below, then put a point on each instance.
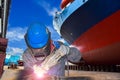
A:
(3, 41)
(2, 57)
(3, 44)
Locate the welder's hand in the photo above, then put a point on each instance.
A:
(53, 58)
(39, 70)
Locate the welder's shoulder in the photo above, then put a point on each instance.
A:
(74, 51)
(74, 55)
(25, 53)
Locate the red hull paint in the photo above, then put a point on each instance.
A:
(65, 2)
(100, 37)
(108, 55)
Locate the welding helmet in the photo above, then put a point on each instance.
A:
(37, 36)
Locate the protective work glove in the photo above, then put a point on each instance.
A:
(52, 59)
(64, 49)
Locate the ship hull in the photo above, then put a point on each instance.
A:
(95, 29)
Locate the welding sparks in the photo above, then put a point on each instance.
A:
(39, 71)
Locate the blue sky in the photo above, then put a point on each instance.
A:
(25, 12)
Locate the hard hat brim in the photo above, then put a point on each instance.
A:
(37, 45)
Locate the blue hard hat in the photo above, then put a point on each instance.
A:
(37, 36)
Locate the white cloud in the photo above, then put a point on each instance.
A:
(8, 56)
(16, 34)
(52, 11)
(14, 51)
(48, 8)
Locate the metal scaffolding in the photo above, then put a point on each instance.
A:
(4, 12)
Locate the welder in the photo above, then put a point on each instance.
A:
(39, 56)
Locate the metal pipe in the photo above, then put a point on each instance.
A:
(0, 17)
(4, 19)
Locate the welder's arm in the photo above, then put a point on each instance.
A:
(74, 55)
(53, 58)
(27, 62)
